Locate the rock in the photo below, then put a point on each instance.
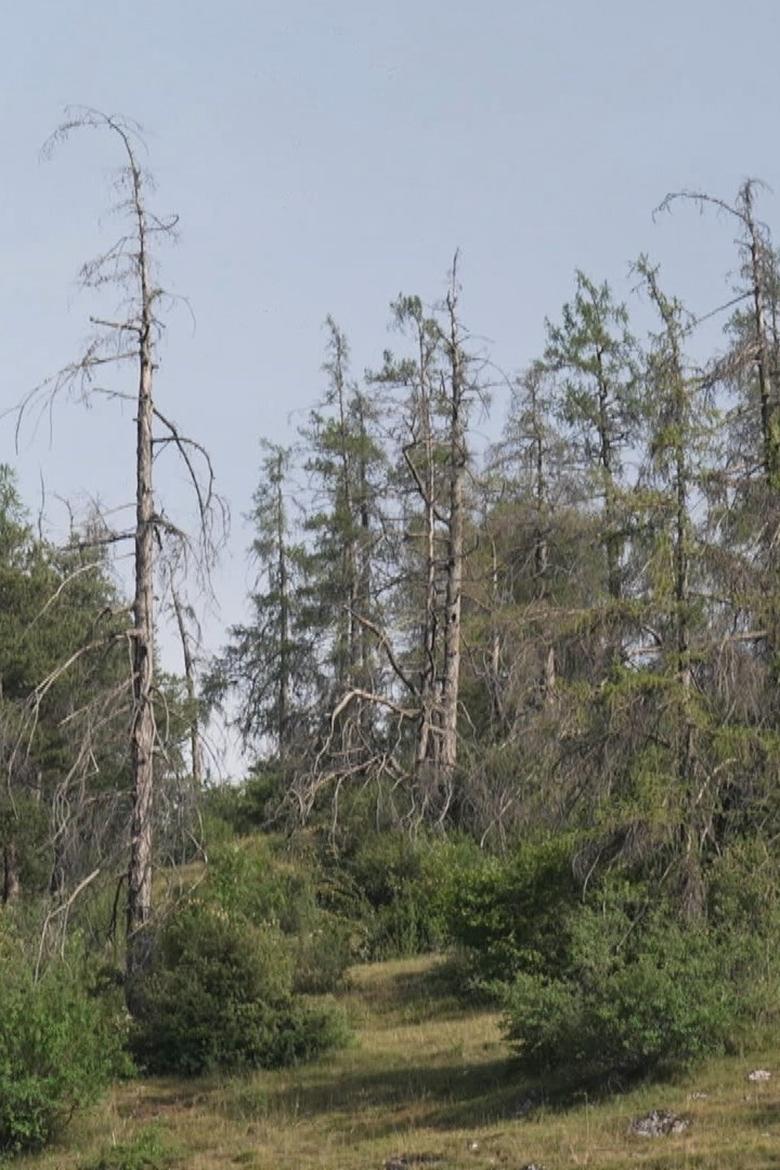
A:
(759, 1074)
(658, 1123)
(698, 1096)
(532, 1166)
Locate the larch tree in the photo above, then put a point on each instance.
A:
(270, 663)
(679, 424)
(344, 460)
(594, 355)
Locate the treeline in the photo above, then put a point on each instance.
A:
(539, 681)
(579, 628)
(517, 702)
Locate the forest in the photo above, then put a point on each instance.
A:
(509, 704)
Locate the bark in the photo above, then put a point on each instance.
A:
(427, 748)
(450, 692)
(142, 732)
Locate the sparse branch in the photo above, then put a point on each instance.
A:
(384, 642)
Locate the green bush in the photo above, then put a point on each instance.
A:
(405, 886)
(218, 994)
(244, 808)
(322, 951)
(249, 881)
(631, 998)
(510, 914)
(60, 1045)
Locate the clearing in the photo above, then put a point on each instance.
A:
(426, 1084)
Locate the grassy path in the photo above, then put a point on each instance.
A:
(427, 1081)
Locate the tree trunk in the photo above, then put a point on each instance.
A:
(283, 586)
(427, 749)
(12, 885)
(142, 733)
(541, 550)
(452, 616)
(450, 692)
(196, 753)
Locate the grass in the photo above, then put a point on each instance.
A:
(431, 1081)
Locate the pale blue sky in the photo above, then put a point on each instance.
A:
(324, 157)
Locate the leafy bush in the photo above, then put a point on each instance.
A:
(218, 994)
(322, 951)
(405, 886)
(510, 914)
(744, 889)
(249, 881)
(630, 999)
(60, 1045)
(244, 808)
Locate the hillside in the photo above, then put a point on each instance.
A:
(426, 1083)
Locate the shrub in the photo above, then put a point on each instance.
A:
(218, 994)
(509, 914)
(322, 951)
(250, 882)
(628, 1001)
(405, 886)
(60, 1045)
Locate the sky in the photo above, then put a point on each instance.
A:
(325, 157)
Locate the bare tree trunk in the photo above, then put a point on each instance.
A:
(364, 566)
(142, 732)
(496, 703)
(541, 549)
(283, 575)
(427, 745)
(452, 624)
(450, 693)
(427, 749)
(196, 751)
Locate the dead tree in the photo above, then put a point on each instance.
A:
(130, 340)
(419, 704)
(456, 392)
